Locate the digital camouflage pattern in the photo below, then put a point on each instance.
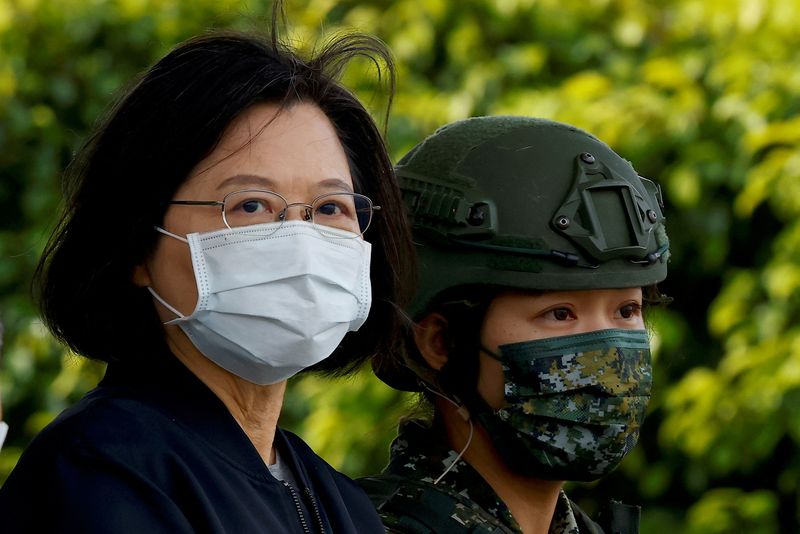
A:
(574, 405)
(462, 501)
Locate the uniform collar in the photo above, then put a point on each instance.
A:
(421, 454)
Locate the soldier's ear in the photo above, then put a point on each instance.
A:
(431, 337)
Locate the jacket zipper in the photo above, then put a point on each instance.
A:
(312, 501)
(314, 507)
(296, 501)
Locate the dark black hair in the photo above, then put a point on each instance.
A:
(464, 308)
(119, 184)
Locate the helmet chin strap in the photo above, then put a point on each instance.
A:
(464, 413)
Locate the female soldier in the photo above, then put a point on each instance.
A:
(535, 241)
(217, 240)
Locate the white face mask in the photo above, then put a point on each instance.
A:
(273, 302)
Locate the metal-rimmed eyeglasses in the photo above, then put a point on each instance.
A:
(351, 212)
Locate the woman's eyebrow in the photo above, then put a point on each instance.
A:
(335, 183)
(248, 179)
(262, 182)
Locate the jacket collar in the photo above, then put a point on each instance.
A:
(171, 388)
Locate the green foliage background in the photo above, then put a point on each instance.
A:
(701, 95)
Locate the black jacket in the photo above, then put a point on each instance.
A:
(152, 451)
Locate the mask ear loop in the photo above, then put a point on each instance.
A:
(166, 232)
(164, 303)
(153, 291)
(464, 413)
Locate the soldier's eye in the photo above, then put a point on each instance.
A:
(561, 314)
(630, 310)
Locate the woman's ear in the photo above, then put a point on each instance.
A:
(141, 275)
(431, 337)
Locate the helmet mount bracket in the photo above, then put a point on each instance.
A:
(605, 215)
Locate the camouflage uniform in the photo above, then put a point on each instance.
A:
(462, 501)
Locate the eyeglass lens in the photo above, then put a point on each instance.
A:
(344, 211)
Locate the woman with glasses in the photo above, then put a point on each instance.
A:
(222, 233)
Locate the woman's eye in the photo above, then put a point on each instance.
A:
(254, 206)
(561, 314)
(630, 311)
(243, 208)
(329, 209)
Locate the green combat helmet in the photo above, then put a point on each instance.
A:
(527, 203)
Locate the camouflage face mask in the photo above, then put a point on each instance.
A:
(573, 404)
